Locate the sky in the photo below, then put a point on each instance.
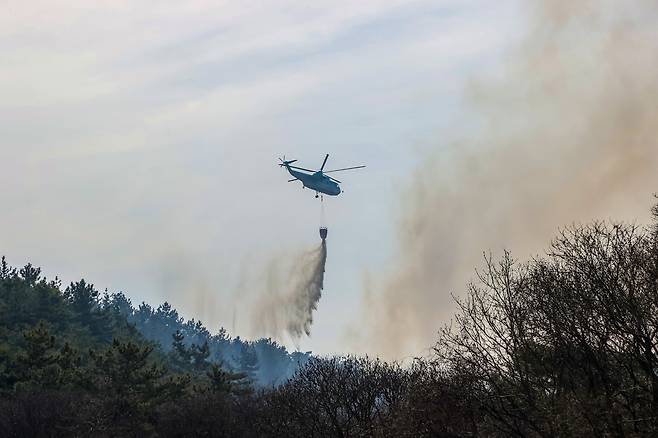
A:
(140, 139)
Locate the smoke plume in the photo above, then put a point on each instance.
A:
(293, 290)
(567, 131)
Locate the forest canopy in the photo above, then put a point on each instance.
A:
(561, 345)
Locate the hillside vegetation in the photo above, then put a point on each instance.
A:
(562, 345)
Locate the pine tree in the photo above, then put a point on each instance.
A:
(199, 355)
(224, 381)
(30, 274)
(180, 352)
(5, 270)
(85, 303)
(82, 297)
(131, 385)
(248, 361)
(38, 362)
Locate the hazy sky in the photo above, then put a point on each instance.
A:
(140, 139)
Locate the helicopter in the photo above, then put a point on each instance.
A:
(317, 179)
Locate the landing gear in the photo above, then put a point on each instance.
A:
(316, 195)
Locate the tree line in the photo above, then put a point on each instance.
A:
(565, 344)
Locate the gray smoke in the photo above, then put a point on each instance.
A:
(293, 290)
(569, 133)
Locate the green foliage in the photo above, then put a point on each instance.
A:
(76, 345)
(180, 355)
(130, 385)
(189, 359)
(225, 381)
(5, 269)
(38, 363)
(565, 345)
(249, 361)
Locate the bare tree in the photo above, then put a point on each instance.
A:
(567, 344)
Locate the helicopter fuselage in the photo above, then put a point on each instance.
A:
(316, 181)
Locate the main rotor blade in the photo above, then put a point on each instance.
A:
(324, 162)
(347, 168)
(294, 179)
(301, 168)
